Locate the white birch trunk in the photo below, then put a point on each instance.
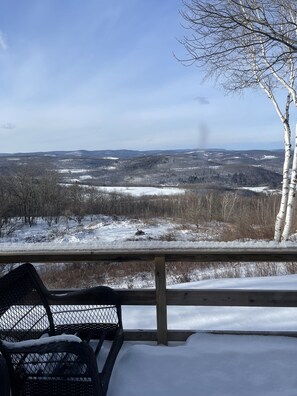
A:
(280, 218)
(292, 194)
(284, 117)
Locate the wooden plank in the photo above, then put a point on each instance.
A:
(71, 256)
(161, 304)
(171, 255)
(137, 296)
(140, 335)
(203, 297)
(151, 335)
(127, 296)
(229, 297)
(183, 335)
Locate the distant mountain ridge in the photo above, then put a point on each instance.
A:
(123, 153)
(200, 168)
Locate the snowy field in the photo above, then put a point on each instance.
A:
(212, 364)
(142, 191)
(99, 232)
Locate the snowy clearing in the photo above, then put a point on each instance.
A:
(116, 232)
(141, 191)
(72, 170)
(99, 231)
(264, 190)
(268, 157)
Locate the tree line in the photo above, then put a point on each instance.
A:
(30, 194)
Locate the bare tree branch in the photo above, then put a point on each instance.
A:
(251, 44)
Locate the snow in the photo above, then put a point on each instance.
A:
(209, 365)
(41, 341)
(117, 232)
(213, 364)
(188, 168)
(72, 170)
(103, 232)
(264, 189)
(141, 191)
(72, 242)
(93, 230)
(85, 177)
(255, 189)
(267, 157)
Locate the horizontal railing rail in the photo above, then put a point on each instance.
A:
(161, 296)
(276, 254)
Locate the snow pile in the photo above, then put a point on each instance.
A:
(209, 365)
(213, 364)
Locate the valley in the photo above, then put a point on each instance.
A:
(208, 169)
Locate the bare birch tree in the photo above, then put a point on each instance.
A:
(251, 44)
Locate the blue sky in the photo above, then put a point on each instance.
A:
(100, 74)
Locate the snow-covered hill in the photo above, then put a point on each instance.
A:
(209, 168)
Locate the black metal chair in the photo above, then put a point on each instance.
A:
(57, 344)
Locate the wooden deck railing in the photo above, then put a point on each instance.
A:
(161, 297)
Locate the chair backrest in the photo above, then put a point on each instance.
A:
(24, 311)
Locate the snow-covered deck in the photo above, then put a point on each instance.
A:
(214, 364)
(208, 365)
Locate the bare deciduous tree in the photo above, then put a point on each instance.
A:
(251, 44)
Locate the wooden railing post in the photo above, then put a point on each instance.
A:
(161, 303)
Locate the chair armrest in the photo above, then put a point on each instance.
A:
(86, 312)
(102, 295)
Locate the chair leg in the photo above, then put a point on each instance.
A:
(100, 343)
(4, 375)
